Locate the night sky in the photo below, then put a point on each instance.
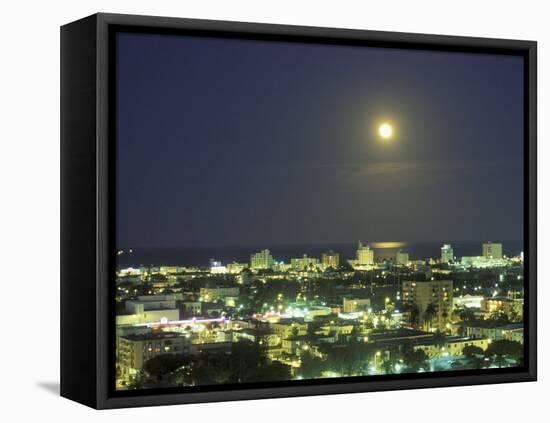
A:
(236, 142)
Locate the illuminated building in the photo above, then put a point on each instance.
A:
(149, 309)
(434, 300)
(482, 262)
(468, 301)
(214, 347)
(330, 259)
(386, 251)
(252, 335)
(492, 251)
(352, 305)
(288, 327)
(212, 295)
(218, 270)
(484, 329)
(452, 346)
(245, 277)
(513, 309)
(134, 350)
(147, 316)
(261, 260)
(303, 263)
(365, 255)
(192, 308)
(236, 268)
(151, 302)
(402, 258)
(130, 271)
(169, 270)
(447, 253)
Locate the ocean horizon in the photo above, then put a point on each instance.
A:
(200, 256)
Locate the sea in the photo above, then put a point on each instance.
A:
(201, 256)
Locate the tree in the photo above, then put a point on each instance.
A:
(138, 381)
(126, 286)
(474, 357)
(162, 365)
(466, 314)
(348, 358)
(210, 369)
(415, 359)
(429, 314)
(311, 367)
(246, 356)
(271, 372)
(472, 351)
(346, 267)
(502, 349)
(439, 339)
(445, 315)
(389, 364)
(413, 313)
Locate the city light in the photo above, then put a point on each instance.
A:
(292, 317)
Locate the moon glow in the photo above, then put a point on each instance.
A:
(385, 131)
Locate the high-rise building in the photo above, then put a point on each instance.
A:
(447, 253)
(261, 260)
(434, 300)
(402, 258)
(492, 250)
(365, 255)
(330, 259)
(303, 263)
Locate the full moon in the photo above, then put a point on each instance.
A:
(385, 130)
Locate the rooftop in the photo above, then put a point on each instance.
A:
(153, 336)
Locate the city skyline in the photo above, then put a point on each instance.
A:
(284, 253)
(365, 253)
(318, 317)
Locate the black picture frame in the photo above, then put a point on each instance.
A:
(87, 219)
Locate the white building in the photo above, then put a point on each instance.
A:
(365, 255)
(468, 301)
(482, 262)
(304, 263)
(402, 258)
(447, 253)
(492, 251)
(236, 268)
(151, 302)
(261, 260)
(330, 259)
(149, 309)
(453, 346)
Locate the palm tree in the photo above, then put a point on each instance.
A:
(444, 315)
(439, 339)
(413, 313)
(429, 314)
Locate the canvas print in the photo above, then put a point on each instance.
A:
(296, 211)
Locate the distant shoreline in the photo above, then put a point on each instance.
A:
(200, 256)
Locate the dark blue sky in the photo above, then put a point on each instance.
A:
(241, 142)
